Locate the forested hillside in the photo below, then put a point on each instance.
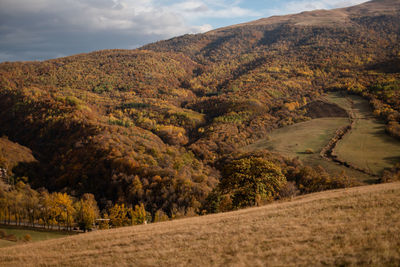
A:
(162, 125)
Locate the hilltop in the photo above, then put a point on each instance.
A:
(357, 226)
(159, 124)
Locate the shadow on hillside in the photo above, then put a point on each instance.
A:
(388, 66)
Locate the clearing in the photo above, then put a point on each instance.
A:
(366, 146)
(355, 226)
(299, 139)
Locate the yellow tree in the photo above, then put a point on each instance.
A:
(63, 209)
(251, 181)
(4, 204)
(30, 202)
(15, 202)
(86, 212)
(45, 208)
(118, 215)
(138, 215)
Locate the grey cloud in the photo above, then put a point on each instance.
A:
(58, 28)
(43, 29)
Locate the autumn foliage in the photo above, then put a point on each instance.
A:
(148, 127)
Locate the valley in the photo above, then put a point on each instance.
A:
(207, 123)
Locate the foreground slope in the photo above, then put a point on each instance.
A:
(341, 227)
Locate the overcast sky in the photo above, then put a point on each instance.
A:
(44, 29)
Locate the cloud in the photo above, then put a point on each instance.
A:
(42, 29)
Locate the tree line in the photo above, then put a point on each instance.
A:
(22, 205)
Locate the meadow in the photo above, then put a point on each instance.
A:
(35, 234)
(356, 226)
(367, 145)
(305, 140)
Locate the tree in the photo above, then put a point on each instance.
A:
(118, 215)
(86, 212)
(45, 208)
(30, 201)
(251, 180)
(138, 215)
(63, 209)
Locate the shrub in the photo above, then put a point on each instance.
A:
(160, 216)
(27, 238)
(309, 151)
(316, 179)
(289, 190)
(11, 237)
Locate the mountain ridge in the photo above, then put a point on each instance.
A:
(386, 6)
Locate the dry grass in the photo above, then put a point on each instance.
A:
(333, 17)
(358, 226)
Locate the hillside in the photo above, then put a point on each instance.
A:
(358, 226)
(158, 124)
(12, 154)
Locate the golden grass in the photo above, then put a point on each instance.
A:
(357, 226)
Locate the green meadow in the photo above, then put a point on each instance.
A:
(366, 146)
(36, 235)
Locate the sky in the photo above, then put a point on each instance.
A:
(45, 29)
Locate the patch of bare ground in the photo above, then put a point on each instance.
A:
(356, 226)
(324, 109)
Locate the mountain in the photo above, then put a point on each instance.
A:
(155, 125)
(357, 226)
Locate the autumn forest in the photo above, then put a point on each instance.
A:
(158, 133)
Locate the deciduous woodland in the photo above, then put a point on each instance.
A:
(162, 128)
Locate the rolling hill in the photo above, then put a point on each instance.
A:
(156, 125)
(357, 226)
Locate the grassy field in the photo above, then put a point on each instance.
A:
(356, 226)
(367, 145)
(294, 140)
(36, 235)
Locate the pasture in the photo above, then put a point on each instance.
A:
(36, 234)
(347, 227)
(298, 140)
(366, 146)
